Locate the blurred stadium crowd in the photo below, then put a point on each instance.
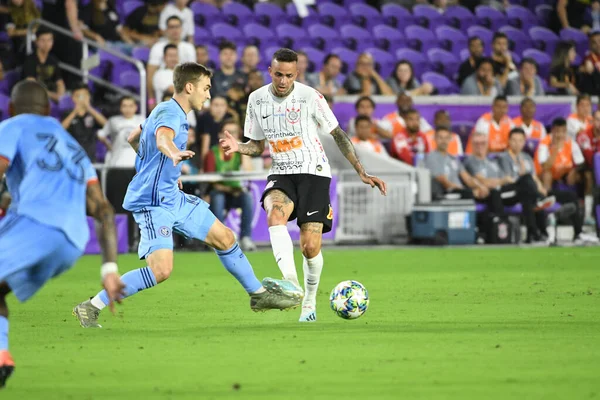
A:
(405, 49)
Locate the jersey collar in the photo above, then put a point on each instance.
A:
(181, 108)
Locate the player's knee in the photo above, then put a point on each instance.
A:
(311, 248)
(225, 241)
(162, 271)
(276, 216)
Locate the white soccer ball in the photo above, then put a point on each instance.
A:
(349, 299)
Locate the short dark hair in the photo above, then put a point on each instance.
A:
(81, 86)
(227, 45)
(43, 31)
(527, 100)
(228, 121)
(559, 122)
(201, 46)
(169, 46)
(126, 97)
(330, 56)
(499, 35)
(411, 111)
(516, 131)
(441, 112)
(500, 97)
(582, 97)
(529, 60)
(593, 33)
(361, 118)
(328, 98)
(364, 98)
(189, 72)
(29, 97)
(285, 55)
(484, 60)
(440, 128)
(172, 17)
(474, 38)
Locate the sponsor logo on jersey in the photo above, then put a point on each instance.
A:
(285, 145)
(286, 165)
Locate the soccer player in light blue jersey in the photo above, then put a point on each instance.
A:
(161, 208)
(51, 181)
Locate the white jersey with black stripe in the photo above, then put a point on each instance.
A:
(291, 126)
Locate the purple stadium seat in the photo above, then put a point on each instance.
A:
(366, 16)
(130, 6)
(440, 82)
(356, 38)
(269, 14)
(384, 61)
(315, 58)
(235, 13)
(544, 13)
(464, 54)
(206, 14)
(388, 38)
(490, 17)
(269, 51)
(542, 59)
(397, 16)
(107, 57)
(348, 58)
(333, 15)
(451, 39)
(544, 39)
(294, 18)
(427, 16)
(518, 41)
(4, 102)
(459, 17)
(292, 36)
(221, 31)
(257, 34)
(521, 17)
(417, 59)
(515, 57)
(482, 33)
(10, 78)
(420, 38)
(577, 36)
(443, 62)
(65, 103)
(324, 37)
(130, 79)
(463, 130)
(202, 35)
(141, 53)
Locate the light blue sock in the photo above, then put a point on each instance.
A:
(238, 265)
(134, 281)
(3, 333)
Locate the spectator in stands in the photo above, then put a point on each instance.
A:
(43, 66)
(115, 132)
(100, 22)
(482, 82)
(187, 53)
(589, 141)
(496, 125)
(209, 124)
(562, 74)
(21, 13)
(231, 194)
(394, 121)
(469, 66)
(163, 78)
(502, 59)
(409, 146)
(569, 14)
(227, 74)
(532, 128)
(1, 71)
(581, 119)
(180, 9)
(237, 102)
(83, 122)
(365, 80)
(325, 81)
(256, 80)
(142, 24)
(202, 57)
(403, 80)
(364, 138)
(366, 106)
(442, 118)
(527, 83)
(302, 76)
(590, 69)
(448, 173)
(250, 59)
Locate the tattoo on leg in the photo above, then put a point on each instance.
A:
(277, 196)
(312, 227)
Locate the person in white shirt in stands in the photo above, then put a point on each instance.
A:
(163, 78)
(581, 119)
(187, 53)
(364, 136)
(185, 14)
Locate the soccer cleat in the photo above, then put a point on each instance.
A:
(7, 366)
(309, 314)
(283, 285)
(87, 315)
(545, 203)
(584, 238)
(276, 297)
(247, 244)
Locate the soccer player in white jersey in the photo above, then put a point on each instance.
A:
(289, 116)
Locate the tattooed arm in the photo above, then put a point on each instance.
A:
(251, 148)
(99, 208)
(347, 148)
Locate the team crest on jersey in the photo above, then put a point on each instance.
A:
(164, 231)
(293, 115)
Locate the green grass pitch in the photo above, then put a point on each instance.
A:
(442, 324)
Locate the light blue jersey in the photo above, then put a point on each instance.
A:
(155, 183)
(47, 175)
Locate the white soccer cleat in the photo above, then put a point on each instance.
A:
(584, 238)
(247, 244)
(309, 313)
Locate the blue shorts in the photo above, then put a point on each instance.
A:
(31, 254)
(191, 219)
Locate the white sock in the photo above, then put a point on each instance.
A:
(312, 275)
(283, 250)
(97, 302)
(589, 205)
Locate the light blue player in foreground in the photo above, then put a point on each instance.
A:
(160, 208)
(51, 181)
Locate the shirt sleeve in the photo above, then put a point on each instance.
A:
(573, 127)
(168, 118)
(543, 153)
(29, 67)
(9, 141)
(188, 24)
(504, 164)
(544, 133)
(470, 167)
(323, 114)
(434, 164)
(156, 55)
(189, 53)
(425, 126)
(107, 130)
(90, 172)
(577, 154)
(252, 129)
(162, 20)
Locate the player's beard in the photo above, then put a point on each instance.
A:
(277, 94)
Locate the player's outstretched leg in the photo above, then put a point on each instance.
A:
(310, 242)
(7, 365)
(277, 295)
